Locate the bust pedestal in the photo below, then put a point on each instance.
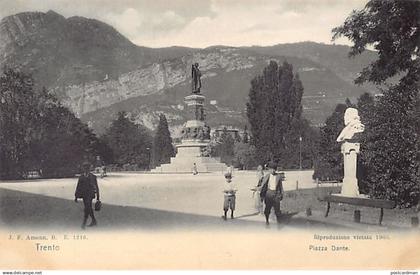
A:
(350, 186)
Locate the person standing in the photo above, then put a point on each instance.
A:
(257, 190)
(103, 171)
(100, 167)
(87, 188)
(194, 169)
(272, 192)
(230, 169)
(229, 196)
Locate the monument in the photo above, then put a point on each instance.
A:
(191, 152)
(350, 148)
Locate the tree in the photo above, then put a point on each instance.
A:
(366, 107)
(389, 149)
(245, 138)
(329, 160)
(393, 29)
(244, 155)
(300, 146)
(163, 149)
(128, 142)
(274, 108)
(225, 147)
(391, 142)
(36, 131)
(18, 109)
(62, 132)
(105, 151)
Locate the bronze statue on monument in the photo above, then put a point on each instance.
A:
(194, 150)
(196, 78)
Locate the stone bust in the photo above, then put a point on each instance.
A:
(352, 125)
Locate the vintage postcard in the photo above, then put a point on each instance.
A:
(209, 135)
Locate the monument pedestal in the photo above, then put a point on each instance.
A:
(190, 152)
(350, 187)
(195, 138)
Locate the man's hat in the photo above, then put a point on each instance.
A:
(228, 175)
(272, 164)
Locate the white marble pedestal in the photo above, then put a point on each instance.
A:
(350, 186)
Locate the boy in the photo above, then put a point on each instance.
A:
(229, 196)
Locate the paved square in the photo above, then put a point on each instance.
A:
(175, 194)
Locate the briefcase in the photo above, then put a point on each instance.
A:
(98, 205)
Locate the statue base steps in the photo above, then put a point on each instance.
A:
(181, 164)
(188, 153)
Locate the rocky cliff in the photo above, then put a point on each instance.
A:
(155, 78)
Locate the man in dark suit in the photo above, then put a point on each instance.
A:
(87, 188)
(272, 192)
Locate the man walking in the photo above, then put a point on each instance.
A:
(272, 192)
(87, 188)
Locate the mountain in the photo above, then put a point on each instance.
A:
(227, 73)
(334, 57)
(97, 72)
(61, 52)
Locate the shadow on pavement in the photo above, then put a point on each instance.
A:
(23, 210)
(27, 210)
(248, 215)
(287, 217)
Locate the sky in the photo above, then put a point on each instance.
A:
(203, 23)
